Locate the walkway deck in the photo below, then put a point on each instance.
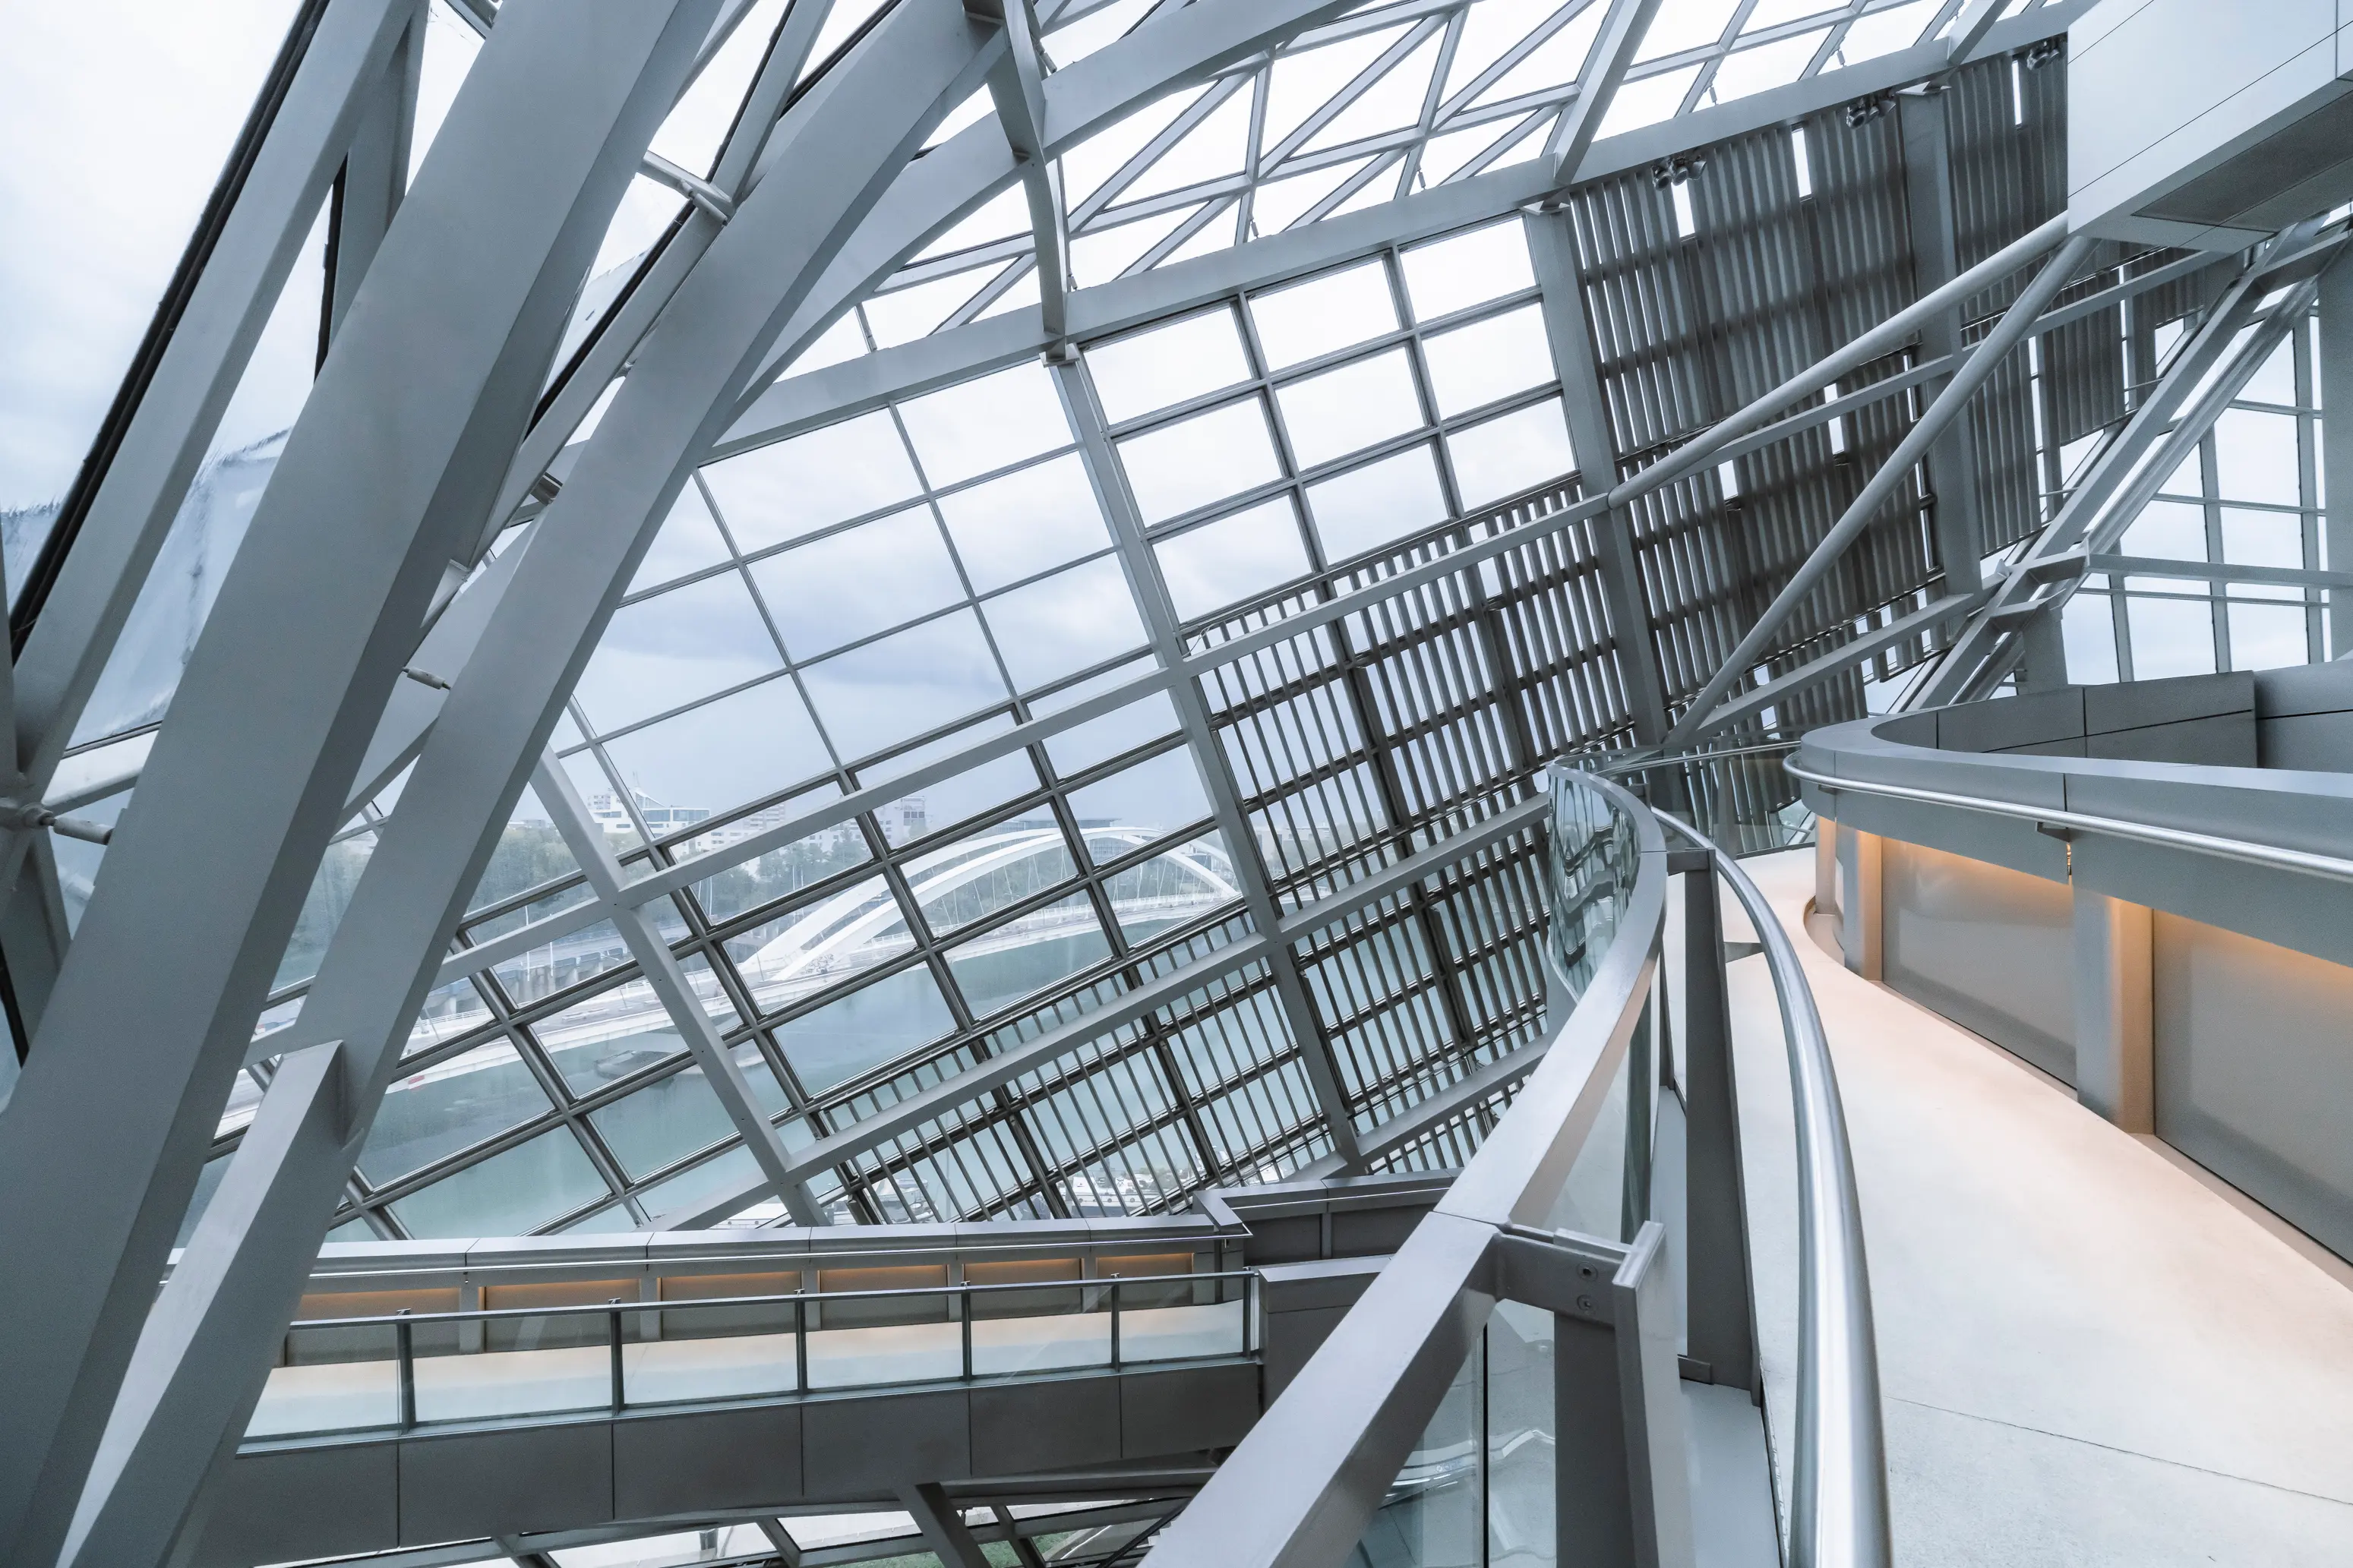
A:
(2088, 1356)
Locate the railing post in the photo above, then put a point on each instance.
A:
(1723, 1335)
(800, 1342)
(613, 1338)
(404, 1343)
(1114, 1325)
(965, 1307)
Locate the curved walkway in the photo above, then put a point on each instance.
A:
(2088, 1356)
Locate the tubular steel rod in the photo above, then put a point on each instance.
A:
(2015, 324)
(2240, 849)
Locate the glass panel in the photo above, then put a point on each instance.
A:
(975, 878)
(2171, 636)
(1369, 507)
(1766, 66)
(1196, 461)
(723, 753)
(726, 1173)
(2262, 538)
(2256, 456)
(1469, 269)
(777, 874)
(876, 1024)
(538, 1364)
(332, 887)
(561, 962)
(783, 960)
(942, 805)
(1647, 101)
(2089, 629)
(658, 1124)
(1172, 890)
(508, 1194)
(610, 1036)
(669, 649)
(1523, 1516)
(1026, 522)
(1308, 321)
(907, 683)
(1166, 365)
(927, 1347)
(704, 1353)
(780, 493)
(1430, 1518)
(1487, 360)
(336, 1378)
(851, 585)
(1682, 24)
(435, 1111)
(1336, 412)
(1884, 32)
(1208, 567)
(1120, 814)
(449, 1012)
(1048, 1329)
(100, 209)
(2267, 637)
(2171, 530)
(1082, 746)
(980, 426)
(1514, 453)
(1551, 65)
(1065, 624)
(689, 542)
(1014, 961)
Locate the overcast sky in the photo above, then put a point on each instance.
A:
(117, 115)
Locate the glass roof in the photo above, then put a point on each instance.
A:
(939, 716)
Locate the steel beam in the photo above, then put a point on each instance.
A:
(402, 441)
(1987, 646)
(1551, 246)
(671, 986)
(342, 74)
(2337, 439)
(374, 178)
(1936, 260)
(1160, 619)
(1623, 30)
(1018, 90)
(1752, 704)
(2014, 325)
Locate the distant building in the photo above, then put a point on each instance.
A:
(606, 811)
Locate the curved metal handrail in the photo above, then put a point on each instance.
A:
(2246, 851)
(1838, 1501)
(1301, 1489)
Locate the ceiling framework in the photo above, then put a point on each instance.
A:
(892, 738)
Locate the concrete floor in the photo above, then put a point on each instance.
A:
(2088, 1356)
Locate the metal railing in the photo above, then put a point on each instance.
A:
(1405, 1387)
(1838, 1489)
(2245, 851)
(407, 1369)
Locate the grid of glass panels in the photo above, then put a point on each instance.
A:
(857, 964)
(2249, 496)
(821, 614)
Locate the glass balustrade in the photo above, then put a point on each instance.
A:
(417, 1370)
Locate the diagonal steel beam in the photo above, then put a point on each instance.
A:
(2014, 326)
(671, 986)
(402, 442)
(1982, 651)
(1018, 89)
(1623, 30)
